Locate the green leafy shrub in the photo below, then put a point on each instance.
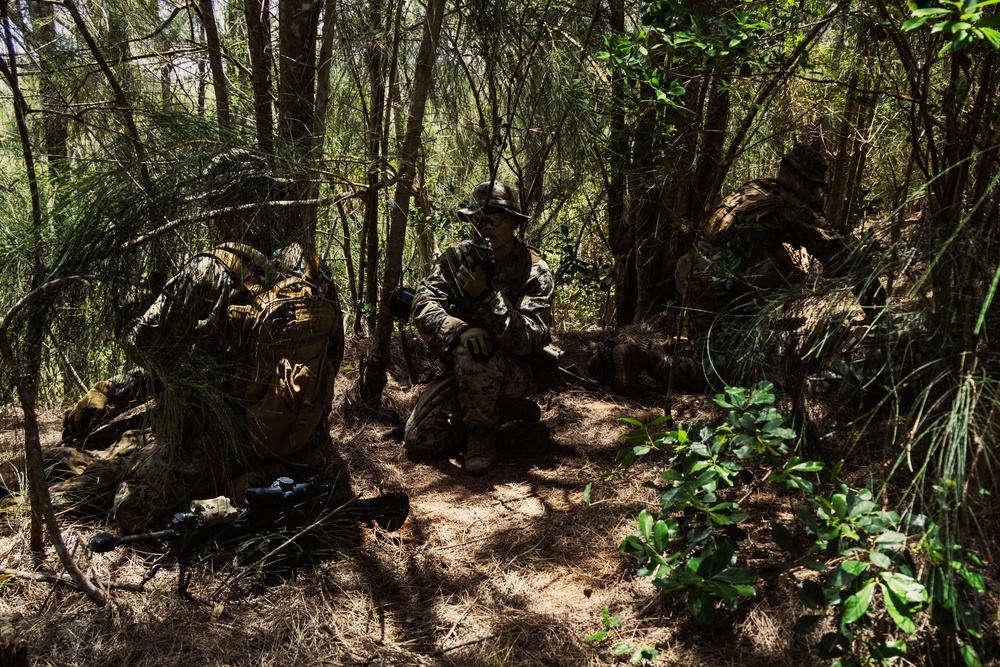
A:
(867, 560)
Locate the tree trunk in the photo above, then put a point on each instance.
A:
(258, 20)
(368, 269)
(375, 372)
(207, 14)
(621, 236)
(298, 24)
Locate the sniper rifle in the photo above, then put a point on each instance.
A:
(285, 505)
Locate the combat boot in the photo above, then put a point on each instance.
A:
(481, 453)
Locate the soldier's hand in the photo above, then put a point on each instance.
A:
(478, 342)
(88, 412)
(475, 283)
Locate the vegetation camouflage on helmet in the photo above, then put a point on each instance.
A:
(807, 161)
(493, 195)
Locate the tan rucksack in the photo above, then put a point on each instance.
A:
(283, 376)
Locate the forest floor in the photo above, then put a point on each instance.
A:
(512, 568)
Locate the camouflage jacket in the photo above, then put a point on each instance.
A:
(191, 314)
(519, 317)
(762, 215)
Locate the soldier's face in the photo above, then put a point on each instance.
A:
(816, 196)
(496, 226)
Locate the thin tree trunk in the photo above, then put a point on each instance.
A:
(259, 47)
(621, 235)
(207, 15)
(376, 111)
(298, 24)
(27, 391)
(375, 372)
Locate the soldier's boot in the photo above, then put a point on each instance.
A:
(481, 453)
(518, 409)
(630, 361)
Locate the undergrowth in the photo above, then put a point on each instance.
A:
(875, 584)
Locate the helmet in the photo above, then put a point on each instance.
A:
(238, 176)
(493, 195)
(807, 161)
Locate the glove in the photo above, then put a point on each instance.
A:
(88, 412)
(479, 343)
(475, 283)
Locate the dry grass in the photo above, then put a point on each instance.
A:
(509, 569)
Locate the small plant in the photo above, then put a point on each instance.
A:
(691, 543)
(874, 561)
(636, 652)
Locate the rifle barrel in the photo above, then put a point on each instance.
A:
(105, 542)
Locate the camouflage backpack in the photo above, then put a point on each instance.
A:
(283, 376)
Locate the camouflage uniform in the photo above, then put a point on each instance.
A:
(742, 249)
(200, 445)
(518, 318)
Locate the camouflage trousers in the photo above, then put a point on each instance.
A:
(466, 400)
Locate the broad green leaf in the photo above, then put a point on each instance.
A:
(736, 575)
(644, 653)
(898, 612)
(724, 592)
(880, 560)
(597, 636)
(855, 567)
(832, 645)
(839, 502)
(811, 595)
(861, 506)
(622, 649)
(586, 494)
(646, 524)
(701, 607)
(973, 579)
(969, 655)
(891, 539)
(907, 589)
(661, 535)
(857, 605)
(930, 11)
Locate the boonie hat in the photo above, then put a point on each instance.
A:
(807, 161)
(493, 195)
